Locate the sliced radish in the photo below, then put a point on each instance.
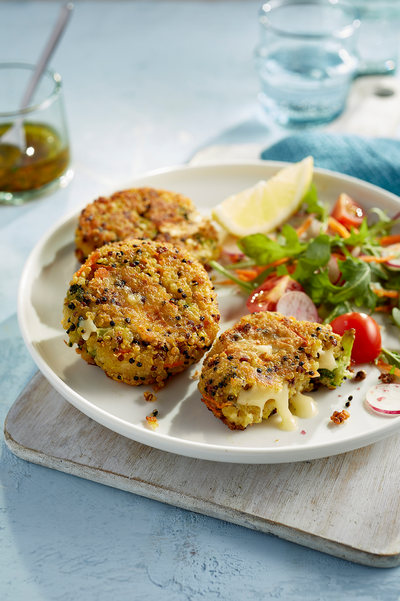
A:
(234, 255)
(394, 264)
(315, 229)
(384, 398)
(334, 273)
(393, 249)
(298, 305)
(227, 258)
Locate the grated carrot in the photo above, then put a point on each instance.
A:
(251, 273)
(303, 227)
(387, 367)
(89, 263)
(101, 273)
(277, 263)
(338, 228)
(372, 259)
(214, 402)
(384, 308)
(389, 240)
(248, 274)
(80, 271)
(385, 293)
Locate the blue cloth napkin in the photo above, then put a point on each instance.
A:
(374, 160)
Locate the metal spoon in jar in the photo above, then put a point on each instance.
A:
(15, 135)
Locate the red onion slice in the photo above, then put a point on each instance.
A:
(298, 305)
(384, 399)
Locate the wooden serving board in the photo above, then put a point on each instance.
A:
(346, 505)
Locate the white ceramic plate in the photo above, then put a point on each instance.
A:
(186, 426)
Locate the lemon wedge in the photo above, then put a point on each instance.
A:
(268, 204)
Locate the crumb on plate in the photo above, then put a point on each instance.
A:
(152, 420)
(387, 378)
(338, 417)
(360, 375)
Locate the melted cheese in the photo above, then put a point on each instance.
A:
(282, 406)
(132, 299)
(258, 396)
(262, 349)
(303, 406)
(327, 360)
(88, 327)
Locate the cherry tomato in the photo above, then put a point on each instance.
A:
(367, 344)
(348, 212)
(266, 296)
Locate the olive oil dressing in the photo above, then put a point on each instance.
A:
(45, 158)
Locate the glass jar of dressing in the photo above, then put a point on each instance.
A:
(41, 163)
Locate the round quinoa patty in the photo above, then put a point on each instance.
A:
(146, 213)
(141, 310)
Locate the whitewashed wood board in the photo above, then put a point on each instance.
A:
(346, 505)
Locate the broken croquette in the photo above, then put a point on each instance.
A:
(257, 367)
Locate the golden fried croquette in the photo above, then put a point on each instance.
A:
(146, 213)
(141, 310)
(263, 364)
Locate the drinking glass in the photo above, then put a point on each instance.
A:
(43, 164)
(306, 59)
(379, 37)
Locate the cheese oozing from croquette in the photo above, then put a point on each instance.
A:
(303, 406)
(258, 396)
(88, 328)
(327, 360)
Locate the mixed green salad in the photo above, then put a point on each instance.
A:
(343, 260)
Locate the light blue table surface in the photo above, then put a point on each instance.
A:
(146, 85)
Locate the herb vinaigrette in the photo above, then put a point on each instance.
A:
(45, 159)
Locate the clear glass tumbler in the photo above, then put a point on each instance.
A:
(379, 40)
(43, 164)
(306, 59)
